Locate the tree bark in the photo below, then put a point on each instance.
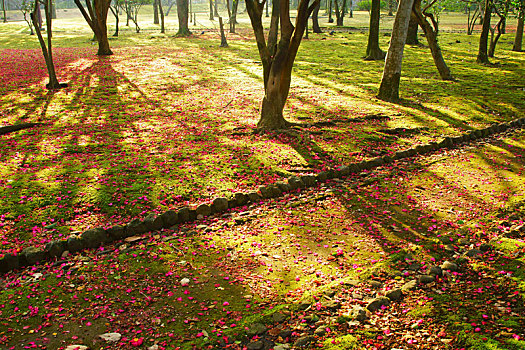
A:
(211, 10)
(431, 35)
(389, 88)
(484, 37)
(277, 59)
(47, 51)
(182, 13)
(96, 16)
(215, 10)
(156, 12)
(373, 51)
(315, 20)
(339, 13)
(233, 18)
(4, 11)
(161, 12)
(224, 43)
(494, 39)
(115, 13)
(413, 27)
(391, 8)
(330, 19)
(518, 39)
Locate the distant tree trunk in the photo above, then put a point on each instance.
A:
(96, 16)
(413, 27)
(267, 5)
(211, 10)
(171, 3)
(518, 39)
(156, 12)
(471, 19)
(340, 13)
(233, 18)
(389, 88)
(115, 13)
(53, 10)
(182, 13)
(484, 37)
(228, 8)
(315, 20)
(373, 52)
(431, 35)
(494, 39)
(330, 19)
(215, 10)
(4, 11)
(278, 56)
(161, 12)
(224, 43)
(46, 51)
(350, 10)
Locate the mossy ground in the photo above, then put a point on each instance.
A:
(167, 121)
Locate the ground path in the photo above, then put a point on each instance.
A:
(307, 268)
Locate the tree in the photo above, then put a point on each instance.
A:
(233, 15)
(501, 8)
(389, 88)
(430, 31)
(156, 12)
(4, 11)
(315, 20)
(47, 51)
(96, 16)
(182, 13)
(115, 9)
(278, 54)
(211, 10)
(340, 13)
(26, 7)
(373, 52)
(518, 39)
(413, 27)
(161, 12)
(483, 56)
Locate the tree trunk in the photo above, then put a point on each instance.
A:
(211, 10)
(161, 12)
(224, 43)
(53, 10)
(389, 88)
(518, 39)
(47, 51)
(351, 11)
(156, 12)
(373, 52)
(484, 37)
(277, 59)
(182, 13)
(413, 27)
(494, 40)
(339, 13)
(391, 8)
(330, 19)
(315, 20)
(233, 18)
(115, 13)
(431, 36)
(4, 11)
(96, 16)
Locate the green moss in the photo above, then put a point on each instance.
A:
(340, 343)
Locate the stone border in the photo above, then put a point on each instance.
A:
(95, 237)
